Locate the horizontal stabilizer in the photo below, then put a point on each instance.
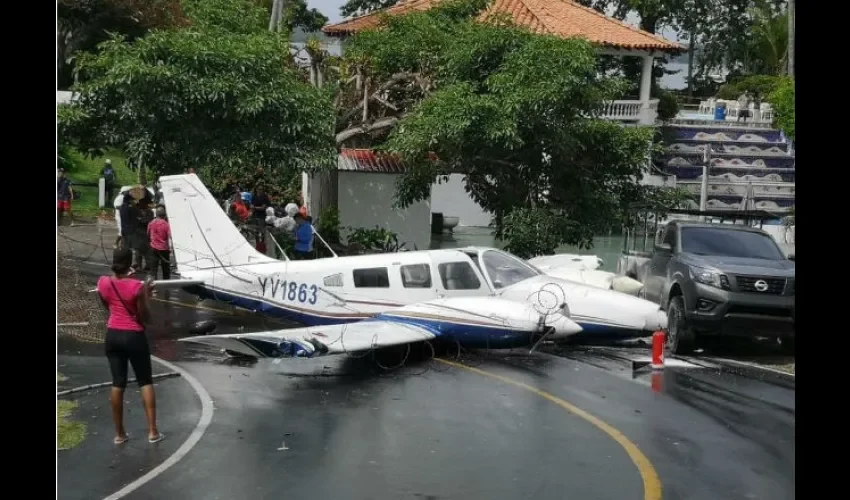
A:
(317, 341)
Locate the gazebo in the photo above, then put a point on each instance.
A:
(562, 18)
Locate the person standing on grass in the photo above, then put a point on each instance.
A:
(108, 174)
(64, 196)
(126, 300)
(159, 231)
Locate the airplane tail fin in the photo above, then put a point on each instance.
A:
(202, 235)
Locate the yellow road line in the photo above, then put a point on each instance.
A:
(651, 482)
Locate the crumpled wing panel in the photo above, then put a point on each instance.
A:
(317, 340)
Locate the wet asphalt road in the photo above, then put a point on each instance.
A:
(444, 432)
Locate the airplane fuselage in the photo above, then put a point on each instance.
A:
(347, 289)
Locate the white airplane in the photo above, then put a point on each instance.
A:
(585, 269)
(567, 261)
(215, 261)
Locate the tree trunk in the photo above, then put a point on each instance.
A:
(141, 171)
(791, 37)
(277, 15)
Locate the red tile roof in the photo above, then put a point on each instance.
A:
(366, 160)
(562, 18)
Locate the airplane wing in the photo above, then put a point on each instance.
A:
(318, 340)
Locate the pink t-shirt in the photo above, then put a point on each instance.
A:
(158, 233)
(119, 317)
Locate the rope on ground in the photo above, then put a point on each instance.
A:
(89, 387)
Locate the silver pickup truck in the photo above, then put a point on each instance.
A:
(718, 280)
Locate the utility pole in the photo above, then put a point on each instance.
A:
(691, 66)
(791, 15)
(703, 191)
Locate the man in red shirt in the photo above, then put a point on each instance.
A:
(159, 231)
(240, 208)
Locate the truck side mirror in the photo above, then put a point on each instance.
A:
(663, 247)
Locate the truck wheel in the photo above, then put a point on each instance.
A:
(680, 337)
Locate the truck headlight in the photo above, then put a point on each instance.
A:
(710, 278)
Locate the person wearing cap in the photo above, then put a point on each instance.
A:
(109, 178)
(64, 195)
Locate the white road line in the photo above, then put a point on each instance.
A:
(191, 441)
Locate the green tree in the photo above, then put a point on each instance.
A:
(83, 24)
(516, 113)
(782, 99)
(222, 96)
(360, 7)
(296, 14)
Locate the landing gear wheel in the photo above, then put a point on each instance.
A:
(786, 345)
(680, 337)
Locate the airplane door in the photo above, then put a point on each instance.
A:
(657, 273)
(458, 277)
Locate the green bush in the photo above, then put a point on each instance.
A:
(327, 224)
(728, 92)
(377, 239)
(668, 105)
(782, 100)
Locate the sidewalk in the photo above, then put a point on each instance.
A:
(97, 467)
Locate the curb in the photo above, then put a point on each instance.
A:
(89, 387)
(752, 371)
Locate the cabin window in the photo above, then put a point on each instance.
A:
(416, 276)
(375, 277)
(333, 280)
(458, 276)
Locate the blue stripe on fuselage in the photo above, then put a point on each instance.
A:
(472, 336)
(466, 334)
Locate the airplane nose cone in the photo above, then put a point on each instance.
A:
(656, 320)
(564, 327)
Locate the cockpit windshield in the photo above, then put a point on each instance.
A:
(505, 269)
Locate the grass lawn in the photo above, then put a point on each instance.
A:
(69, 433)
(87, 170)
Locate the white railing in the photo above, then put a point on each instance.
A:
(763, 114)
(631, 111)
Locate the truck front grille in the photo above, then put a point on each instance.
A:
(775, 286)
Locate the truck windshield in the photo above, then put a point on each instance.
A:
(723, 242)
(505, 270)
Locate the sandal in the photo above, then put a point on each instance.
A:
(157, 439)
(121, 440)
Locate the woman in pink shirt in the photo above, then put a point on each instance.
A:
(126, 300)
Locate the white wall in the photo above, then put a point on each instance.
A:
(451, 199)
(366, 200)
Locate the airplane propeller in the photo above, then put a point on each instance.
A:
(548, 301)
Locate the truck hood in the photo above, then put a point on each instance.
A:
(742, 265)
